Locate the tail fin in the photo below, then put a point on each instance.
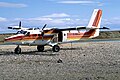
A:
(95, 18)
(95, 21)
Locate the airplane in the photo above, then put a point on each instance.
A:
(54, 36)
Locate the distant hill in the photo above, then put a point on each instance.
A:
(2, 36)
(109, 34)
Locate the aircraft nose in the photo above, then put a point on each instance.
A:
(13, 38)
(6, 39)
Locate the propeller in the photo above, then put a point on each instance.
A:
(42, 32)
(16, 27)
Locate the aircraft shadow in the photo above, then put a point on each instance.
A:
(78, 48)
(45, 53)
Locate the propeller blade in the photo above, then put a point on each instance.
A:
(10, 28)
(20, 24)
(42, 34)
(44, 26)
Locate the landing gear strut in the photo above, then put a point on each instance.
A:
(56, 48)
(17, 50)
(40, 48)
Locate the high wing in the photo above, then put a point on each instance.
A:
(79, 28)
(19, 27)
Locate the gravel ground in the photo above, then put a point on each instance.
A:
(80, 61)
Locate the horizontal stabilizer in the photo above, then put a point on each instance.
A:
(97, 28)
(104, 28)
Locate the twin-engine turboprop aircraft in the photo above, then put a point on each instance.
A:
(54, 36)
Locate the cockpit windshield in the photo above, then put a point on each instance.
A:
(21, 32)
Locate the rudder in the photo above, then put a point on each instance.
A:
(95, 21)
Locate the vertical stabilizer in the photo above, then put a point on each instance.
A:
(95, 18)
(95, 21)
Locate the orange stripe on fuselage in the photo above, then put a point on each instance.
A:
(30, 37)
(50, 31)
(78, 35)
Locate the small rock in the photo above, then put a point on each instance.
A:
(59, 61)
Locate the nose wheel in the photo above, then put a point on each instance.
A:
(17, 50)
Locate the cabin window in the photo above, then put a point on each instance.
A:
(36, 28)
(35, 35)
(30, 29)
(27, 34)
(39, 34)
(21, 32)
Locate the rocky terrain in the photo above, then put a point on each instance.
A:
(79, 61)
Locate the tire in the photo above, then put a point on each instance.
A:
(17, 50)
(56, 48)
(40, 48)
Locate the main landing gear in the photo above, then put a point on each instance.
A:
(17, 50)
(55, 48)
(40, 48)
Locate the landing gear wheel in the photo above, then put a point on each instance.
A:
(40, 48)
(56, 48)
(17, 50)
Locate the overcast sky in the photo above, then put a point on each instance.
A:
(57, 13)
